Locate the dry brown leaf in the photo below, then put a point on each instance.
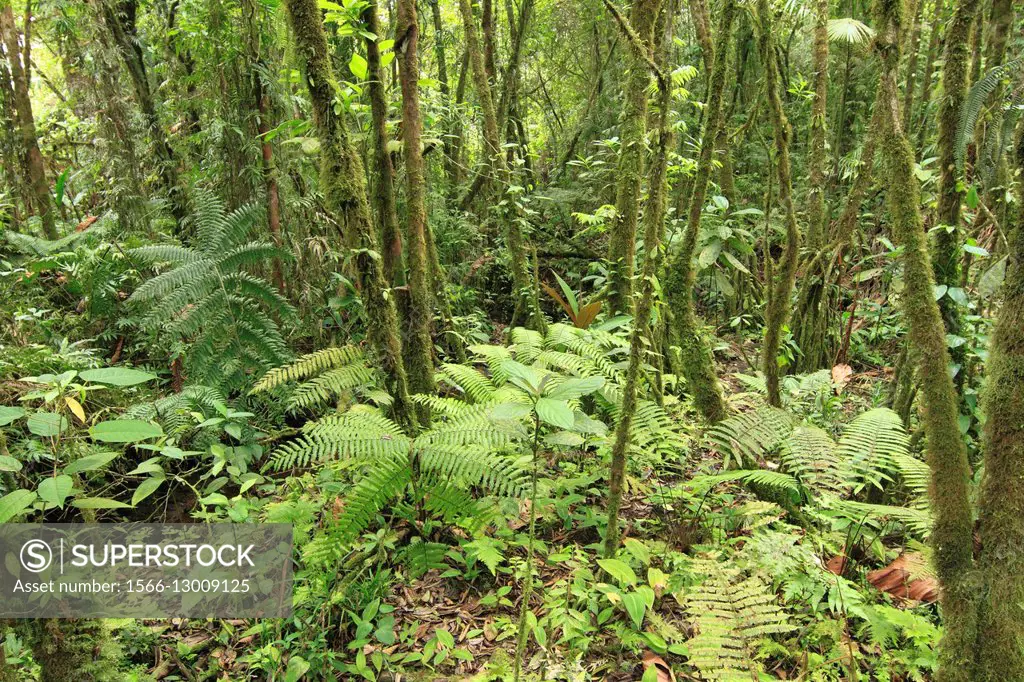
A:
(898, 580)
(664, 671)
(841, 376)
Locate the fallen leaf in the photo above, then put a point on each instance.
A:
(904, 579)
(651, 659)
(841, 376)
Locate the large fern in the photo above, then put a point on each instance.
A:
(323, 377)
(207, 296)
(747, 437)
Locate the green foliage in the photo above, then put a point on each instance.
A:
(324, 376)
(748, 436)
(733, 616)
(208, 298)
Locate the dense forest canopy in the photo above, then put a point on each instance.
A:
(590, 340)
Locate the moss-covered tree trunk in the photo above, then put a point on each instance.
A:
(810, 324)
(952, 533)
(419, 356)
(925, 96)
(630, 168)
(344, 189)
(641, 338)
(120, 19)
(527, 307)
(78, 649)
(38, 199)
(780, 290)
(384, 179)
(946, 249)
(1001, 514)
(695, 361)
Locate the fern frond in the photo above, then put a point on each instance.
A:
(773, 480)
(976, 98)
(383, 482)
(870, 445)
(811, 455)
(747, 436)
(469, 380)
(353, 435)
(309, 365)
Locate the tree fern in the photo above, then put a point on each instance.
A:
(732, 616)
(206, 297)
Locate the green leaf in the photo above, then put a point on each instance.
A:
(575, 388)
(510, 411)
(555, 412)
(636, 607)
(47, 424)
(14, 503)
(54, 490)
(385, 632)
(297, 667)
(90, 462)
(10, 414)
(638, 550)
(570, 295)
(522, 376)
(972, 197)
(619, 570)
(146, 488)
(735, 262)
(357, 65)
(125, 431)
(976, 250)
(99, 503)
(117, 376)
(9, 464)
(939, 290)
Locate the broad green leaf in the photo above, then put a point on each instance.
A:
(14, 503)
(570, 295)
(125, 431)
(357, 65)
(297, 667)
(976, 250)
(619, 570)
(146, 488)
(939, 290)
(10, 414)
(99, 503)
(638, 550)
(117, 376)
(90, 462)
(9, 464)
(555, 412)
(54, 490)
(636, 607)
(75, 407)
(735, 262)
(526, 378)
(510, 411)
(575, 388)
(47, 424)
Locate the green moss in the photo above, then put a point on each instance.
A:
(952, 534)
(781, 288)
(1001, 517)
(80, 650)
(344, 189)
(695, 361)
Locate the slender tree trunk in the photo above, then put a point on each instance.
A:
(257, 68)
(780, 290)
(913, 47)
(847, 223)
(119, 17)
(384, 185)
(419, 357)
(952, 532)
(1001, 517)
(344, 186)
(817, 217)
(448, 142)
(38, 199)
(696, 363)
(925, 97)
(654, 219)
(947, 255)
(525, 295)
(630, 169)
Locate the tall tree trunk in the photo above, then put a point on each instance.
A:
(654, 219)
(925, 97)
(777, 306)
(419, 357)
(1001, 515)
(344, 188)
(696, 363)
(913, 48)
(38, 199)
(448, 142)
(947, 256)
(952, 531)
(258, 68)
(527, 306)
(630, 169)
(384, 183)
(119, 17)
